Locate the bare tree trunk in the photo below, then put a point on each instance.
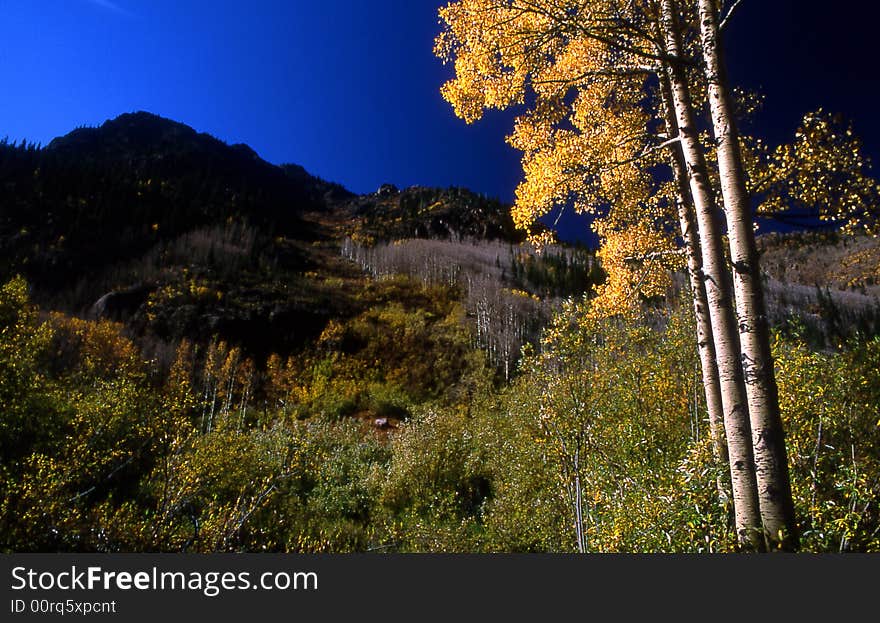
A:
(724, 332)
(771, 462)
(705, 345)
(578, 503)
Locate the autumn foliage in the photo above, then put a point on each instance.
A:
(598, 445)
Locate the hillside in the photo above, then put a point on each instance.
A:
(178, 235)
(827, 282)
(203, 351)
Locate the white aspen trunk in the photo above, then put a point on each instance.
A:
(213, 407)
(227, 407)
(205, 394)
(578, 503)
(771, 462)
(691, 238)
(736, 417)
(244, 404)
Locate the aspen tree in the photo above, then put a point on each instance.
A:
(771, 462)
(587, 142)
(823, 173)
(594, 151)
(724, 327)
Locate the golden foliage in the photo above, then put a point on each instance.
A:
(586, 135)
(824, 171)
(636, 262)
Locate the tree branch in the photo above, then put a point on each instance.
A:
(730, 13)
(656, 255)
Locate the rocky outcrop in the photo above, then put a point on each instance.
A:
(121, 304)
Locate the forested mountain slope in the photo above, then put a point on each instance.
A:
(204, 351)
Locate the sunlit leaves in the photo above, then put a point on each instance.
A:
(638, 260)
(831, 407)
(586, 135)
(824, 172)
(610, 412)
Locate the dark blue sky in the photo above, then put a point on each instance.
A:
(350, 88)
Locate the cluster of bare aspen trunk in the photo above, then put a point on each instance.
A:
(504, 319)
(226, 382)
(733, 332)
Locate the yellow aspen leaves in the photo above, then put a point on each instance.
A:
(587, 135)
(823, 172)
(637, 260)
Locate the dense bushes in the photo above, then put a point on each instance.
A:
(831, 407)
(599, 444)
(602, 434)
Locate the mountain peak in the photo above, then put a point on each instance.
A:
(136, 131)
